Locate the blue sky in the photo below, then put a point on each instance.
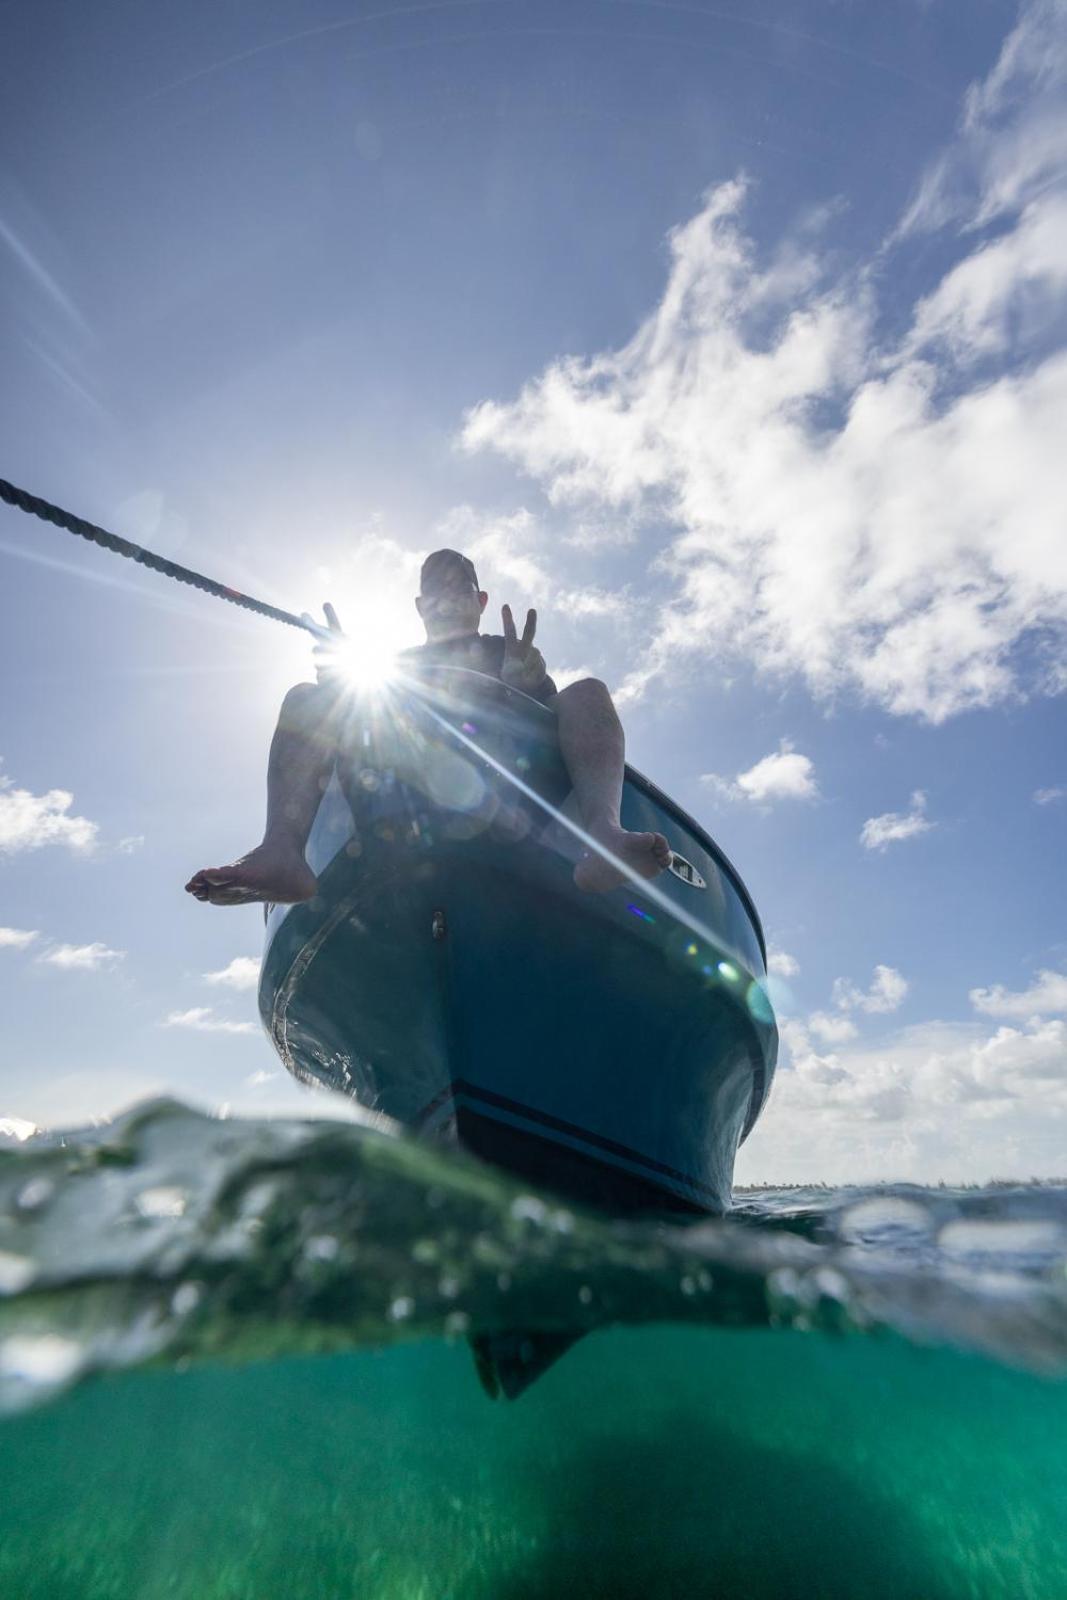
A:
(733, 340)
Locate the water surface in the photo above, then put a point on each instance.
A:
(234, 1360)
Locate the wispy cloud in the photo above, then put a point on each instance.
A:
(1011, 146)
(1048, 797)
(202, 1019)
(29, 821)
(242, 973)
(40, 275)
(1046, 996)
(16, 938)
(783, 775)
(94, 957)
(876, 518)
(893, 826)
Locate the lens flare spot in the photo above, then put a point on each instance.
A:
(758, 1002)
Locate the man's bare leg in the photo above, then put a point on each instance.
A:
(594, 749)
(298, 769)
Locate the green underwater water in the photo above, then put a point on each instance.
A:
(657, 1461)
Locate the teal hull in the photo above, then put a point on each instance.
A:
(451, 978)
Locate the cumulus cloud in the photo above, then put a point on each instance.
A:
(939, 1101)
(831, 1027)
(887, 990)
(1046, 996)
(783, 775)
(94, 957)
(780, 964)
(875, 517)
(241, 973)
(892, 826)
(16, 1128)
(28, 821)
(16, 938)
(202, 1019)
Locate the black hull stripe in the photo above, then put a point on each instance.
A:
(459, 1086)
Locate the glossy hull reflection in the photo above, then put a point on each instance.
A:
(450, 977)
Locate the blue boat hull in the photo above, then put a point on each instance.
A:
(451, 978)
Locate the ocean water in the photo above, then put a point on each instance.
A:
(235, 1362)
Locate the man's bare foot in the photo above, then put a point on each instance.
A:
(265, 873)
(643, 854)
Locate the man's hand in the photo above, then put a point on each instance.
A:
(524, 666)
(326, 652)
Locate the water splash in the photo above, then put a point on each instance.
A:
(170, 1237)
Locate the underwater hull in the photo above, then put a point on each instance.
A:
(451, 978)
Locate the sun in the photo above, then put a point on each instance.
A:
(366, 663)
(375, 620)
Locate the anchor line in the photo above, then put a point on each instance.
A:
(34, 506)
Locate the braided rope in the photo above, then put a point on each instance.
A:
(146, 558)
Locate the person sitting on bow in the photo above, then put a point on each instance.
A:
(306, 745)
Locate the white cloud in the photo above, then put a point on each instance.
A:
(887, 991)
(831, 1027)
(17, 1128)
(780, 964)
(255, 1079)
(16, 938)
(1048, 797)
(94, 957)
(203, 1020)
(892, 826)
(939, 1101)
(977, 308)
(1011, 146)
(878, 521)
(242, 973)
(502, 547)
(562, 676)
(28, 821)
(505, 549)
(1046, 996)
(783, 775)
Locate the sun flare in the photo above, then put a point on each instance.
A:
(376, 623)
(365, 664)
